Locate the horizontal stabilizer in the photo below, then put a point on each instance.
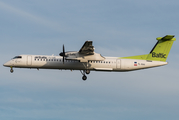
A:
(167, 37)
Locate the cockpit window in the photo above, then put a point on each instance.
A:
(17, 57)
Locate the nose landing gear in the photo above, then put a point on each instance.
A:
(11, 70)
(83, 73)
(84, 77)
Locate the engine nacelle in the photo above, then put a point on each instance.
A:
(83, 57)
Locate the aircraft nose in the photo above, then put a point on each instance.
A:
(7, 64)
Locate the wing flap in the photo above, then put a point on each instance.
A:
(103, 69)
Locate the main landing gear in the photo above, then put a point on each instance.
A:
(11, 70)
(83, 73)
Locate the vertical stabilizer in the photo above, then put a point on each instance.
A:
(162, 48)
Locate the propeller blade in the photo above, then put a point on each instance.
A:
(63, 48)
(63, 59)
(63, 53)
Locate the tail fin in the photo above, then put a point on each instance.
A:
(162, 48)
(159, 52)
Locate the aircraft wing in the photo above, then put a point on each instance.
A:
(87, 48)
(86, 53)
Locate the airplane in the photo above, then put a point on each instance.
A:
(87, 60)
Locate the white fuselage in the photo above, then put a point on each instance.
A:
(56, 62)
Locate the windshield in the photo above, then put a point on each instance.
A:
(17, 57)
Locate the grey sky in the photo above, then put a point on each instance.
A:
(117, 28)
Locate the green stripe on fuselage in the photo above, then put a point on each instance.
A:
(138, 57)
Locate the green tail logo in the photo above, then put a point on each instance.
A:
(159, 55)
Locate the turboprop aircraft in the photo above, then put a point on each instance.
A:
(87, 60)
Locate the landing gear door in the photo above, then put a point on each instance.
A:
(118, 63)
(29, 60)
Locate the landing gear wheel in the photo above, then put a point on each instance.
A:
(87, 71)
(83, 72)
(84, 77)
(11, 70)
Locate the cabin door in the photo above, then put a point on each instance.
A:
(118, 63)
(29, 60)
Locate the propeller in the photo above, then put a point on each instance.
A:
(63, 54)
